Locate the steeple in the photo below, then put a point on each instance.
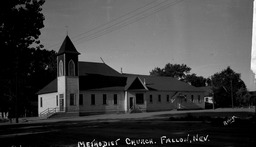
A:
(68, 78)
(67, 47)
(67, 59)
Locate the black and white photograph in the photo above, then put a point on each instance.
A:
(127, 73)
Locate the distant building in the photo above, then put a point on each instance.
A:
(208, 97)
(208, 94)
(83, 88)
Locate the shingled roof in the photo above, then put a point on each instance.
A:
(93, 68)
(50, 88)
(93, 76)
(67, 47)
(160, 83)
(100, 76)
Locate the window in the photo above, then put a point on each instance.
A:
(81, 99)
(139, 98)
(185, 98)
(151, 98)
(115, 99)
(61, 68)
(104, 99)
(167, 98)
(41, 102)
(159, 98)
(192, 98)
(199, 99)
(93, 99)
(72, 99)
(57, 100)
(71, 68)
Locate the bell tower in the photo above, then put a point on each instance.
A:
(68, 79)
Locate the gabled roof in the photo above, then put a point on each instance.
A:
(160, 83)
(92, 68)
(50, 88)
(67, 47)
(101, 77)
(133, 83)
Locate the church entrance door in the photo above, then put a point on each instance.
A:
(61, 104)
(131, 102)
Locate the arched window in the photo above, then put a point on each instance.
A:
(60, 68)
(71, 68)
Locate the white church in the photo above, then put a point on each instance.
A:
(84, 88)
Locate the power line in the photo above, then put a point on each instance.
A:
(116, 19)
(105, 24)
(114, 27)
(124, 20)
(134, 14)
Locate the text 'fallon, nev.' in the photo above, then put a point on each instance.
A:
(187, 139)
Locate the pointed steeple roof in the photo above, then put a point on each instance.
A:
(67, 47)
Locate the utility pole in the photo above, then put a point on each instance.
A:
(17, 86)
(213, 105)
(231, 92)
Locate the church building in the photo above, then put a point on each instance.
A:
(83, 88)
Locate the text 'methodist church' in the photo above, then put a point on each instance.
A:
(83, 88)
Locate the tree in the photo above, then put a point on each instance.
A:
(172, 70)
(180, 72)
(42, 70)
(225, 85)
(197, 81)
(157, 72)
(243, 98)
(20, 24)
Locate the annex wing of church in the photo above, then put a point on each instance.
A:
(83, 88)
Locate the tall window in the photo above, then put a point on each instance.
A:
(61, 68)
(159, 98)
(167, 98)
(71, 68)
(151, 98)
(81, 99)
(72, 99)
(199, 99)
(57, 100)
(92, 99)
(104, 99)
(115, 99)
(192, 98)
(41, 102)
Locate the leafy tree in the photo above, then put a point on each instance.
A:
(42, 70)
(157, 72)
(20, 24)
(243, 98)
(226, 83)
(180, 72)
(197, 81)
(172, 70)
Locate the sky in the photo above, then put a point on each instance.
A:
(139, 35)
